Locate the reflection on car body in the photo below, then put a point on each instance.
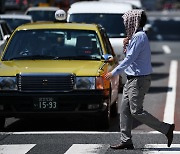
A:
(58, 68)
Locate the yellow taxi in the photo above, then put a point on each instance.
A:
(55, 68)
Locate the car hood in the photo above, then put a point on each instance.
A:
(117, 44)
(78, 67)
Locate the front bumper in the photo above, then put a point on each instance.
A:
(16, 104)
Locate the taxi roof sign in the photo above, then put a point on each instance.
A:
(60, 15)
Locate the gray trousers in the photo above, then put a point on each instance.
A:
(132, 106)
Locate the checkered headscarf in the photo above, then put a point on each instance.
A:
(131, 21)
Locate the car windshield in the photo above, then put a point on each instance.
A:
(113, 23)
(14, 23)
(53, 44)
(165, 29)
(42, 15)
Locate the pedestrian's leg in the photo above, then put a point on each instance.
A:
(137, 92)
(125, 122)
(125, 117)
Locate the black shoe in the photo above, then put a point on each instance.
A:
(169, 134)
(122, 146)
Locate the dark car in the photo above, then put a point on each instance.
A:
(164, 28)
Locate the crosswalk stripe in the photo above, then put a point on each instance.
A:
(15, 148)
(161, 149)
(87, 149)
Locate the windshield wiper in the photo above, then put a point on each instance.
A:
(64, 57)
(82, 57)
(33, 57)
(78, 58)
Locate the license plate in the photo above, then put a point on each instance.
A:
(44, 103)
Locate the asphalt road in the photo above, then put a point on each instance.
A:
(83, 143)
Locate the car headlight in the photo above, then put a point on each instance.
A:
(89, 83)
(8, 83)
(85, 82)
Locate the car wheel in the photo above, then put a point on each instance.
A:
(2, 123)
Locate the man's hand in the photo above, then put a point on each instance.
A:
(108, 76)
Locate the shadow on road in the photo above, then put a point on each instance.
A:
(159, 89)
(158, 76)
(157, 52)
(60, 124)
(157, 64)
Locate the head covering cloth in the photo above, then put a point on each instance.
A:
(132, 21)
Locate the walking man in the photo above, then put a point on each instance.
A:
(137, 66)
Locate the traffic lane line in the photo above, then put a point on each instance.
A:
(171, 94)
(79, 133)
(177, 107)
(166, 49)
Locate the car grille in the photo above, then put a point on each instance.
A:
(46, 82)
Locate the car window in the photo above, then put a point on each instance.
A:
(54, 44)
(14, 23)
(6, 29)
(113, 23)
(106, 41)
(42, 15)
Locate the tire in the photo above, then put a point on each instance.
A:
(2, 123)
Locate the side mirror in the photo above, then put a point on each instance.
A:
(107, 57)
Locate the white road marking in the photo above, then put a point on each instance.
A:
(161, 149)
(79, 132)
(171, 94)
(166, 49)
(15, 148)
(87, 149)
(156, 132)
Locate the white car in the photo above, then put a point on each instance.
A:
(42, 13)
(15, 20)
(109, 15)
(136, 3)
(5, 33)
